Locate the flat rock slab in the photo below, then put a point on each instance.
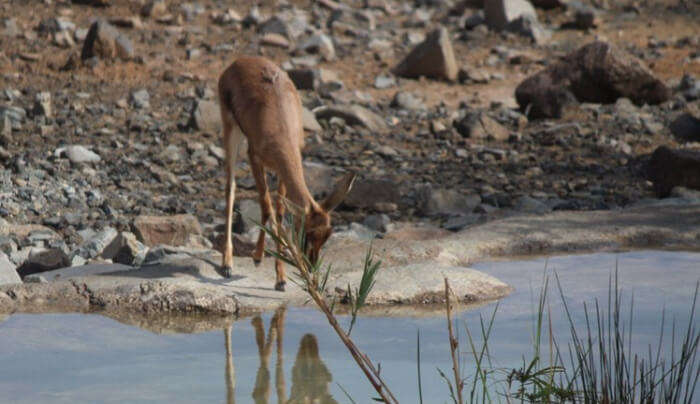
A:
(415, 262)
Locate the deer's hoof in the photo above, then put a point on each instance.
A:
(280, 286)
(257, 261)
(227, 272)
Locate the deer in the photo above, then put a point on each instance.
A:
(260, 103)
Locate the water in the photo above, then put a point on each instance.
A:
(68, 358)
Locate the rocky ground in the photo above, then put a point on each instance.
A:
(105, 127)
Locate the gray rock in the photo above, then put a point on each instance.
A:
(309, 121)
(172, 230)
(500, 13)
(80, 154)
(125, 249)
(380, 223)
(529, 27)
(5, 130)
(530, 205)
(15, 114)
(105, 41)
(320, 44)
(407, 100)
(41, 260)
(433, 58)
(384, 81)
(353, 115)
(248, 214)
(439, 201)
(478, 125)
(42, 104)
(206, 117)
(8, 27)
(686, 127)
(320, 178)
(154, 8)
(95, 246)
(274, 25)
(8, 274)
(460, 222)
(140, 99)
(34, 278)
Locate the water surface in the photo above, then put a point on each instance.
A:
(292, 355)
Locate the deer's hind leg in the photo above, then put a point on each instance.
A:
(233, 138)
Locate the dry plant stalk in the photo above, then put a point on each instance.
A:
(454, 344)
(363, 361)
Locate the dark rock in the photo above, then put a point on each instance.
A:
(547, 4)
(380, 223)
(105, 41)
(669, 168)
(304, 79)
(438, 201)
(433, 58)
(529, 27)
(353, 115)
(596, 73)
(248, 214)
(44, 260)
(686, 128)
(530, 205)
(171, 230)
(460, 222)
(366, 193)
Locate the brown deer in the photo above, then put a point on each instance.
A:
(260, 102)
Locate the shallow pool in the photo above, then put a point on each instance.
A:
(292, 355)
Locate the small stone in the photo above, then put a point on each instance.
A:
(686, 127)
(94, 246)
(140, 99)
(34, 278)
(309, 121)
(407, 100)
(460, 222)
(353, 115)
(272, 39)
(80, 154)
(384, 81)
(42, 260)
(433, 58)
(104, 41)
(439, 201)
(154, 9)
(380, 223)
(321, 44)
(125, 249)
(530, 205)
(479, 125)
(499, 13)
(206, 117)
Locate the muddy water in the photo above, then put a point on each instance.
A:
(291, 355)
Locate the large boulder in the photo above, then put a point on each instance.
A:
(371, 193)
(353, 115)
(170, 230)
(440, 201)
(105, 41)
(686, 127)
(432, 58)
(42, 260)
(669, 168)
(500, 13)
(206, 117)
(597, 72)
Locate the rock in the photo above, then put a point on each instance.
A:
(320, 178)
(407, 100)
(380, 223)
(42, 104)
(368, 193)
(42, 260)
(8, 27)
(547, 4)
(474, 20)
(478, 125)
(309, 121)
(8, 274)
(320, 44)
(530, 205)
(384, 81)
(154, 8)
(460, 222)
(529, 27)
(585, 17)
(669, 168)
(500, 13)
(5, 130)
(170, 230)
(353, 115)
(277, 40)
(433, 58)
(16, 115)
(248, 214)
(304, 78)
(274, 25)
(596, 73)
(140, 99)
(94, 3)
(439, 201)
(80, 154)
(686, 128)
(206, 117)
(125, 249)
(34, 278)
(105, 41)
(96, 245)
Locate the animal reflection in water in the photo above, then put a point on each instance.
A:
(310, 376)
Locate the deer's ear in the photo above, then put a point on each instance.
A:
(340, 191)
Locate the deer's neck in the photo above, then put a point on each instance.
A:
(298, 193)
